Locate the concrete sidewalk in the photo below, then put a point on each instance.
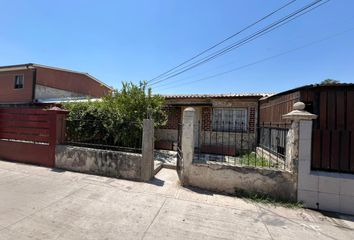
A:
(42, 203)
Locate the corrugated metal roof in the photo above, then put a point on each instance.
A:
(310, 86)
(222, 95)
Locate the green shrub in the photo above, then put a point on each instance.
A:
(117, 119)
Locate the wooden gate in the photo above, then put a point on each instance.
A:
(333, 130)
(28, 136)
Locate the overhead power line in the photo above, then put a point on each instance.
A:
(177, 80)
(247, 39)
(263, 60)
(221, 42)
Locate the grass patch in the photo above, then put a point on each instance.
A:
(251, 159)
(266, 199)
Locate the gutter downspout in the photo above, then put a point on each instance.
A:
(34, 81)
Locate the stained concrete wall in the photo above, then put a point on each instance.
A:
(228, 178)
(101, 162)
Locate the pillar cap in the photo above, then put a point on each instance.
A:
(299, 106)
(298, 113)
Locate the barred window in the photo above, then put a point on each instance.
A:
(18, 81)
(229, 119)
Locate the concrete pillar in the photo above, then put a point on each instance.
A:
(298, 142)
(187, 143)
(147, 164)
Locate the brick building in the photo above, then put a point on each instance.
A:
(220, 119)
(30, 83)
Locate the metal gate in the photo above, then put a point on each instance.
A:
(28, 136)
(179, 166)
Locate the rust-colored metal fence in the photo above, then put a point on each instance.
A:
(29, 135)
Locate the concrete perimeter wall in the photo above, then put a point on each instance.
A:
(328, 191)
(229, 179)
(101, 162)
(280, 184)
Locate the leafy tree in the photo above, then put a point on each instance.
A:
(329, 81)
(116, 119)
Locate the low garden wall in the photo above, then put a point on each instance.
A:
(97, 161)
(231, 179)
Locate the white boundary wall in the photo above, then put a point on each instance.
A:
(318, 189)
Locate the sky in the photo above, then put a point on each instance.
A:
(135, 40)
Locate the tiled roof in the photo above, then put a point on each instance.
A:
(223, 95)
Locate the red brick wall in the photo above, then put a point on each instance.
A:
(174, 116)
(252, 119)
(8, 94)
(74, 82)
(206, 118)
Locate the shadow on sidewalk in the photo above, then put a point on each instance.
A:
(157, 182)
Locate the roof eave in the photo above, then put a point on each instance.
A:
(16, 67)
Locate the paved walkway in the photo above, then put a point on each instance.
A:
(168, 158)
(41, 203)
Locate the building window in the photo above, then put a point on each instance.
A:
(18, 81)
(229, 119)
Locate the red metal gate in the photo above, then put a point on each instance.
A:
(28, 136)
